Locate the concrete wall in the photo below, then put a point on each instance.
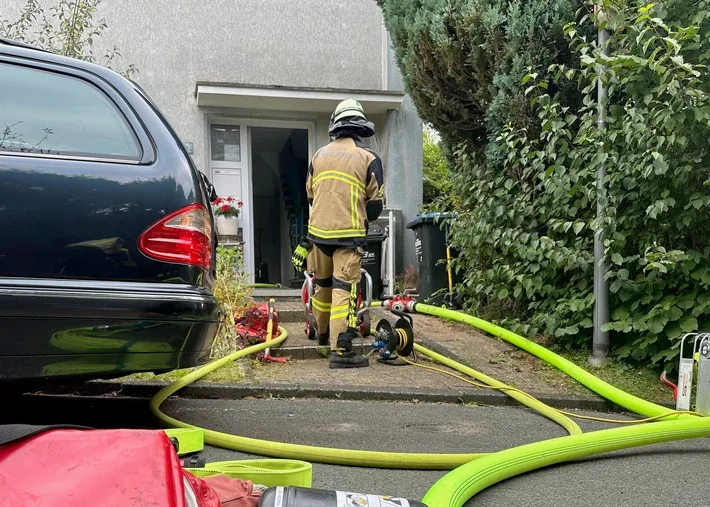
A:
(404, 185)
(311, 43)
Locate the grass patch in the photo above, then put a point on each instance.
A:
(636, 380)
(233, 372)
(170, 376)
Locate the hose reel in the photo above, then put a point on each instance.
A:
(394, 342)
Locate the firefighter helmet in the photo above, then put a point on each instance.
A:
(349, 118)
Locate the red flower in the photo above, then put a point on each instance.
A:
(240, 203)
(218, 200)
(225, 207)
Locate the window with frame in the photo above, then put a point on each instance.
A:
(54, 114)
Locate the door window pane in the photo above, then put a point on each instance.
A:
(225, 143)
(45, 112)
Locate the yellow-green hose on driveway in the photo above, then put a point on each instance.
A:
(608, 391)
(352, 457)
(458, 486)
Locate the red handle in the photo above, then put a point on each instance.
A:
(670, 384)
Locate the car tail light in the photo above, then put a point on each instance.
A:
(183, 237)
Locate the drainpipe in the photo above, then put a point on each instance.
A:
(600, 340)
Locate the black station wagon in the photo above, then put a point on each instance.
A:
(107, 247)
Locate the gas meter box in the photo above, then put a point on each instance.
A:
(305, 497)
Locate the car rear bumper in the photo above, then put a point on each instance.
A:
(52, 328)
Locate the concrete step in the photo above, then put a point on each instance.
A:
(288, 311)
(279, 294)
(298, 346)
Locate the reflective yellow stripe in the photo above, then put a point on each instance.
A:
(353, 207)
(338, 312)
(339, 233)
(352, 318)
(339, 315)
(339, 179)
(340, 175)
(320, 306)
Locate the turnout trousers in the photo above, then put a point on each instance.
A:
(337, 273)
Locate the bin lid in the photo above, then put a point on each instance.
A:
(429, 218)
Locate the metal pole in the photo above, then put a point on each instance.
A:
(600, 341)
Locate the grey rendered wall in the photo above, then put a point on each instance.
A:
(404, 176)
(310, 43)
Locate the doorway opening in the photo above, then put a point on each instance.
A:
(279, 164)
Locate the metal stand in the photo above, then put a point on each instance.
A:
(695, 365)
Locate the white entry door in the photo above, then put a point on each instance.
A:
(229, 165)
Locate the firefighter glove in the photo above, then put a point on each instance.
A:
(299, 255)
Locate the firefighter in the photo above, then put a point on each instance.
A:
(346, 191)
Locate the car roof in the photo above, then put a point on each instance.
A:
(23, 50)
(16, 43)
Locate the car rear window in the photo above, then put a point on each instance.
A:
(47, 113)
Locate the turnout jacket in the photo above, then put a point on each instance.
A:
(346, 190)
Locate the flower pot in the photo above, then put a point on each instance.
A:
(227, 226)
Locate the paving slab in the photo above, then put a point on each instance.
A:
(490, 355)
(460, 342)
(306, 372)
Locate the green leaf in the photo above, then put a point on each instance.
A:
(617, 259)
(577, 227)
(689, 324)
(621, 313)
(503, 293)
(528, 77)
(623, 352)
(674, 313)
(673, 330)
(657, 323)
(687, 300)
(587, 60)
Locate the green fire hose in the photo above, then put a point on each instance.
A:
(456, 487)
(352, 457)
(611, 393)
(473, 472)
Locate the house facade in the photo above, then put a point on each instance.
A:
(249, 86)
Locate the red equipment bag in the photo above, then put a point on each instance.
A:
(71, 467)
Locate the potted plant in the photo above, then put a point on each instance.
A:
(227, 212)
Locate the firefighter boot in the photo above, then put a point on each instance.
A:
(343, 355)
(324, 339)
